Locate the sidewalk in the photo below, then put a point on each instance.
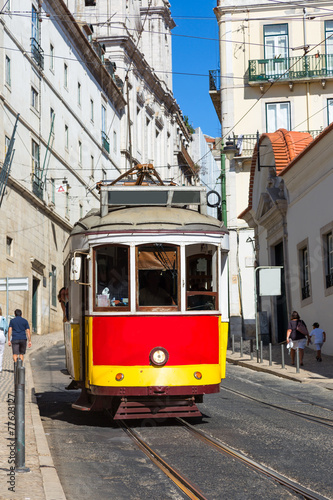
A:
(42, 482)
(312, 372)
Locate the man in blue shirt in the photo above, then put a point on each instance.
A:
(18, 334)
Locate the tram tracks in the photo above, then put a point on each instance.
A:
(188, 487)
(312, 418)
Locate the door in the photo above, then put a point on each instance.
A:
(35, 285)
(281, 300)
(276, 49)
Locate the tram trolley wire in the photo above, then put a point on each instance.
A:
(313, 418)
(223, 448)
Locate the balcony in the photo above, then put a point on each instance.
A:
(37, 53)
(318, 66)
(105, 142)
(214, 90)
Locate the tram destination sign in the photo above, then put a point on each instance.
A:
(14, 284)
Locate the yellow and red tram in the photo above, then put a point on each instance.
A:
(148, 305)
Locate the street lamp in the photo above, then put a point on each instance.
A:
(230, 149)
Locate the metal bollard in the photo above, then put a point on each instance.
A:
(282, 356)
(20, 419)
(297, 361)
(233, 344)
(251, 349)
(261, 351)
(270, 354)
(241, 347)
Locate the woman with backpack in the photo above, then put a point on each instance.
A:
(297, 335)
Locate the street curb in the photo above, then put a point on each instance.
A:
(262, 369)
(51, 483)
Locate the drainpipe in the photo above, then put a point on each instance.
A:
(286, 265)
(223, 188)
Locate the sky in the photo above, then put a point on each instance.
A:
(195, 51)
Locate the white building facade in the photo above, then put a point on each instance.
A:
(62, 96)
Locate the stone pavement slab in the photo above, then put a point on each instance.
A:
(41, 482)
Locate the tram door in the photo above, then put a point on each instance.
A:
(35, 284)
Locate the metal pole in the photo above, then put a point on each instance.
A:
(233, 344)
(282, 356)
(241, 347)
(7, 299)
(270, 354)
(20, 419)
(256, 312)
(297, 360)
(261, 351)
(251, 348)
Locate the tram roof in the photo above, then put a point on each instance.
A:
(152, 218)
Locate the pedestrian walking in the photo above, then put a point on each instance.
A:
(297, 334)
(18, 335)
(319, 338)
(3, 336)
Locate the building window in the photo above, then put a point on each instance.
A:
(91, 110)
(34, 24)
(92, 166)
(104, 119)
(277, 116)
(305, 273)
(9, 246)
(65, 76)
(34, 98)
(80, 152)
(114, 141)
(51, 57)
(54, 286)
(276, 48)
(66, 137)
(8, 78)
(329, 259)
(35, 158)
(329, 44)
(79, 94)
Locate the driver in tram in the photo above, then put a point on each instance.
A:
(152, 294)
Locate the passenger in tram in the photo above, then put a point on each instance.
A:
(118, 285)
(152, 294)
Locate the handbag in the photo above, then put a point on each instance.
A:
(301, 328)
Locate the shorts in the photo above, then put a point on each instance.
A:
(19, 346)
(298, 343)
(319, 345)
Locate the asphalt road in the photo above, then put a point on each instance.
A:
(94, 458)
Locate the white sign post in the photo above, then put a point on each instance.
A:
(269, 284)
(13, 285)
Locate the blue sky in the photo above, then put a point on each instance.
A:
(195, 56)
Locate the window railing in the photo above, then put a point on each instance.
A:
(329, 280)
(105, 142)
(214, 79)
(305, 292)
(37, 53)
(291, 68)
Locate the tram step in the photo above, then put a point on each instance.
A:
(156, 409)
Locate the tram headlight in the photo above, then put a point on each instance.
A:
(198, 375)
(119, 377)
(158, 356)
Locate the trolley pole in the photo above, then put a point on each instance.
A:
(20, 419)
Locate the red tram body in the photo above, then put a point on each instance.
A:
(148, 325)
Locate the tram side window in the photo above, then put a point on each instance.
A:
(157, 275)
(111, 276)
(201, 276)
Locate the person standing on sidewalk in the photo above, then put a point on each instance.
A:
(297, 334)
(18, 334)
(319, 338)
(3, 336)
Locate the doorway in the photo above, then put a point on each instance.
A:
(281, 300)
(35, 285)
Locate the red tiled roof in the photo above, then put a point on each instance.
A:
(286, 146)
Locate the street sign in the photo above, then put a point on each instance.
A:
(14, 284)
(270, 281)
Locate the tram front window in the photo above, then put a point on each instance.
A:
(158, 275)
(201, 276)
(111, 276)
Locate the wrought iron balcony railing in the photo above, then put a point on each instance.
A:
(105, 142)
(291, 68)
(37, 53)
